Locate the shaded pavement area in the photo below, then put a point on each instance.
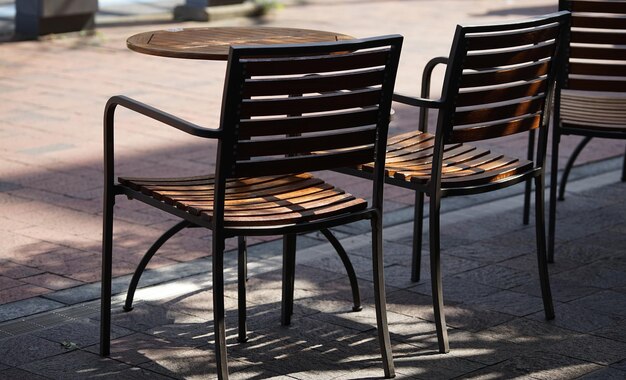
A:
(52, 94)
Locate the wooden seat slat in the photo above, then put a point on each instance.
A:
(493, 95)
(489, 114)
(599, 7)
(509, 57)
(500, 76)
(579, 21)
(510, 38)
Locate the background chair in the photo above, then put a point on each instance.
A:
(497, 83)
(259, 187)
(591, 98)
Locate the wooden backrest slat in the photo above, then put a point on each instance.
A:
(496, 130)
(509, 39)
(492, 95)
(613, 53)
(490, 114)
(307, 104)
(597, 69)
(596, 85)
(315, 64)
(285, 104)
(598, 46)
(507, 58)
(308, 123)
(598, 6)
(325, 83)
(500, 76)
(598, 37)
(292, 145)
(598, 22)
(300, 164)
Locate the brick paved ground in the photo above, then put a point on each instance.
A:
(52, 94)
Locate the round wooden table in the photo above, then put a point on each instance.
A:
(213, 43)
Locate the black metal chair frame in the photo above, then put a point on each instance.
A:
(434, 189)
(230, 164)
(590, 84)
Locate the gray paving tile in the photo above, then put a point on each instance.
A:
(606, 301)
(26, 307)
(497, 276)
(457, 289)
(22, 349)
(605, 374)
(505, 301)
(590, 348)
(578, 318)
(621, 365)
(430, 364)
(19, 374)
(563, 289)
(615, 331)
(81, 364)
(79, 332)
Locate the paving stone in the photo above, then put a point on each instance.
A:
(615, 331)
(17, 271)
(596, 275)
(457, 289)
(81, 364)
(19, 374)
(562, 289)
(605, 374)
(26, 307)
(508, 302)
(607, 301)
(52, 281)
(79, 333)
(591, 348)
(23, 349)
(621, 365)
(577, 318)
(430, 364)
(497, 276)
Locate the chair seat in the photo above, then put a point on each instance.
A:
(252, 202)
(602, 111)
(410, 155)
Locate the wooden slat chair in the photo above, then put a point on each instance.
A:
(591, 100)
(260, 186)
(497, 83)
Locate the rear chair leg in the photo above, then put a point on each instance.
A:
(354, 285)
(107, 273)
(289, 269)
(418, 229)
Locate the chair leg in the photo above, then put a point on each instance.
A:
(435, 273)
(218, 306)
(418, 229)
(242, 277)
(554, 182)
(107, 274)
(546, 294)
(289, 269)
(624, 169)
(354, 284)
(379, 296)
(130, 295)
(529, 184)
(570, 163)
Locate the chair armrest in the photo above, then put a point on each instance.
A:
(416, 101)
(156, 114)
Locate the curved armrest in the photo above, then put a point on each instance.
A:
(416, 101)
(156, 114)
(426, 78)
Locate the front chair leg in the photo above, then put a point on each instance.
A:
(435, 274)
(218, 306)
(242, 277)
(289, 269)
(546, 294)
(624, 169)
(379, 296)
(107, 273)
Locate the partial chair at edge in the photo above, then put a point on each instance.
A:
(259, 187)
(591, 98)
(497, 83)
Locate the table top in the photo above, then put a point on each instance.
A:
(213, 43)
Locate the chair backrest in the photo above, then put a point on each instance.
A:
(297, 108)
(598, 46)
(499, 78)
